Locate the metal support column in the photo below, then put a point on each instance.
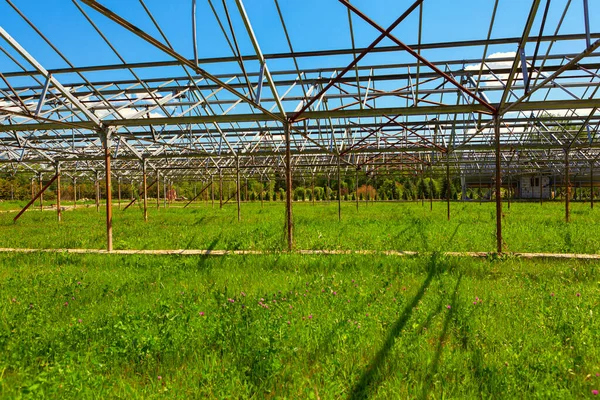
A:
(339, 196)
(448, 183)
(58, 210)
(592, 185)
(288, 189)
(97, 193)
(107, 159)
(119, 190)
(40, 178)
(145, 189)
(220, 189)
(498, 186)
(237, 183)
(157, 189)
(356, 190)
(567, 186)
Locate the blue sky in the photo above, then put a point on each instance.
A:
(313, 24)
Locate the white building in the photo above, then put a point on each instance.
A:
(530, 187)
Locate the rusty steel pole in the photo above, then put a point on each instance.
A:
(97, 193)
(109, 214)
(42, 194)
(58, 210)
(448, 183)
(145, 191)
(288, 189)
(237, 184)
(498, 186)
(119, 190)
(157, 189)
(339, 196)
(541, 190)
(212, 191)
(422, 185)
(509, 190)
(567, 186)
(592, 185)
(74, 193)
(220, 189)
(431, 187)
(312, 190)
(356, 190)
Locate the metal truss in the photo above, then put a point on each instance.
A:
(389, 106)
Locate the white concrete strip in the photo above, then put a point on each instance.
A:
(567, 256)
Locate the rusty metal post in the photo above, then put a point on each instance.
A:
(339, 196)
(145, 191)
(157, 189)
(74, 193)
(431, 187)
(32, 187)
(422, 186)
(567, 186)
(164, 192)
(212, 191)
(109, 214)
(312, 190)
(119, 186)
(220, 189)
(498, 186)
(541, 189)
(40, 178)
(448, 183)
(592, 185)
(356, 190)
(97, 193)
(509, 190)
(262, 193)
(237, 184)
(58, 210)
(288, 189)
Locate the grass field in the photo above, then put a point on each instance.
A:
(298, 326)
(528, 227)
(290, 326)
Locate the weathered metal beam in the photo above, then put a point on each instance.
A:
(35, 198)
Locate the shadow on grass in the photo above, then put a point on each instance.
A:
(438, 351)
(371, 376)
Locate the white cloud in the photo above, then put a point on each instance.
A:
(126, 113)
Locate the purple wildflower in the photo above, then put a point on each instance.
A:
(66, 303)
(578, 294)
(160, 378)
(595, 392)
(231, 300)
(310, 316)
(448, 306)
(201, 313)
(80, 320)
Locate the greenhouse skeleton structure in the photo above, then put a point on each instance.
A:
(528, 113)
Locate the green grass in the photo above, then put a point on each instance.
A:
(528, 227)
(81, 326)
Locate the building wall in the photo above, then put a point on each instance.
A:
(530, 187)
